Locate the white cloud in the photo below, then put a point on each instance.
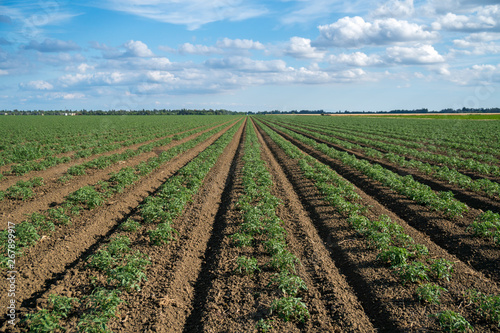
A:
(246, 64)
(356, 59)
(137, 49)
(481, 18)
(99, 78)
(3, 72)
(192, 13)
(188, 48)
(424, 54)
(301, 48)
(160, 76)
(395, 8)
(356, 32)
(478, 44)
(37, 85)
(245, 44)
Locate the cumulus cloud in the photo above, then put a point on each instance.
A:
(37, 85)
(478, 44)
(3, 72)
(395, 8)
(301, 48)
(244, 44)
(481, 18)
(356, 32)
(356, 59)
(137, 49)
(98, 78)
(424, 54)
(53, 45)
(192, 13)
(188, 48)
(247, 64)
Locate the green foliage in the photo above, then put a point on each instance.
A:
(451, 321)
(87, 195)
(394, 256)
(441, 269)
(488, 306)
(132, 273)
(58, 216)
(284, 260)
(100, 306)
(163, 234)
(413, 272)
(130, 225)
(429, 293)
(487, 224)
(76, 170)
(41, 223)
(245, 265)
(43, 321)
(264, 325)
(290, 309)
(61, 305)
(242, 239)
(288, 283)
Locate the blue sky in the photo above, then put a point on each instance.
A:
(249, 55)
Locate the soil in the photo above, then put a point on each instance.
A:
(191, 282)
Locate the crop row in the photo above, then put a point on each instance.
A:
(476, 136)
(407, 186)
(470, 164)
(261, 226)
(29, 153)
(409, 260)
(123, 268)
(89, 197)
(485, 154)
(452, 176)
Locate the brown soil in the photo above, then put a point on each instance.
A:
(192, 286)
(53, 192)
(390, 306)
(68, 246)
(452, 235)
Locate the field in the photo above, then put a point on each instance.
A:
(242, 224)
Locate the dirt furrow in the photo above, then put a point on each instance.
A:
(472, 199)
(168, 298)
(330, 286)
(391, 306)
(43, 264)
(451, 235)
(54, 192)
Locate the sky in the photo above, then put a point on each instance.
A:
(249, 55)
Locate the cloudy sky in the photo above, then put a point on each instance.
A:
(249, 55)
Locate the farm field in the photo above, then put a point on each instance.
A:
(249, 224)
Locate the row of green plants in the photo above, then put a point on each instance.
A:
(175, 193)
(405, 185)
(261, 225)
(402, 144)
(22, 189)
(409, 260)
(474, 136)
(99, 143)
(89, 197)
(490, 188)
(103, 162)
(123, 268)
(487, 225)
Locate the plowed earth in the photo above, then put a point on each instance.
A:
(191, 284)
